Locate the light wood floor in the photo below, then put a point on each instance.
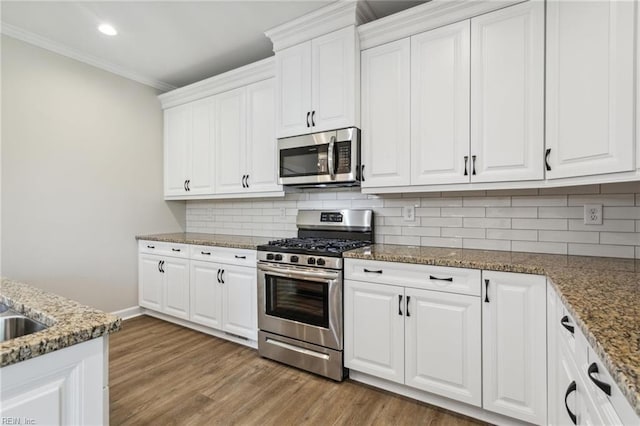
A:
(163, 374)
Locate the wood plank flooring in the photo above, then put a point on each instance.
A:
(164, 374)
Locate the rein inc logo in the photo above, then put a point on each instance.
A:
(17, 421)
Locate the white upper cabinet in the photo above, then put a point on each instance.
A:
(293, 77)
(590, 53)
(230, 140)
(189, 149)
(317, 84)
(261, 153)
(385, 115)
(514, 350)
(440, 105)
(507, 94)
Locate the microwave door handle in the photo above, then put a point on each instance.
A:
(330, 158)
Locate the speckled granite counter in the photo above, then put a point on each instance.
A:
(603, 295)
(218, 240)
(68, 322)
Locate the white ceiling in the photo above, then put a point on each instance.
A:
(162, 43)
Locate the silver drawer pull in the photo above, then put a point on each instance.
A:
(450, 279)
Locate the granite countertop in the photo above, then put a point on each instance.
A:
(68, 322)
(201, 239)
(602, 294)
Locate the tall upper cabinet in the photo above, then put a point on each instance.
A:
(590, 81)
(475, 92)
(219, 136)
(318, 69)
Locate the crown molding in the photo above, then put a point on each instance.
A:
(61, 49)
(424, 17)
(332, 17)
(252, 73)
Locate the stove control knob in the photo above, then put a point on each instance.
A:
(278, 257)
(269, 256)
(294, 259)
(311, 261)
(320, 262)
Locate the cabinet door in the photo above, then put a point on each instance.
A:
(262, 152)
(440, 105)
(230, 140)
(507, 94)
(150, 286)
(201, 174)
(206, 294)
(176, 287)
(442, 344)
(590, 87)
(385, 115)
(239, 301)
(177, 148)
(374, 329)
(514, 349)
(293, 90)
(333, 80)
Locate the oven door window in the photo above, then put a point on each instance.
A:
(304, 161)
(298, 300)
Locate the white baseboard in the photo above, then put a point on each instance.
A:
(132, 312)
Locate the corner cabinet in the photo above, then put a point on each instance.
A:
(514, 345)
(222, 145)
(590, 84)
(318, 84)
(462, 103)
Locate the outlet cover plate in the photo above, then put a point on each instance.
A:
(593, 214)
(409, 213)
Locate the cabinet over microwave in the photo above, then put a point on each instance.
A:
(321, 159)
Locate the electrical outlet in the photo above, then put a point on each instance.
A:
(283, 212)
(593, 214)
(409, 213)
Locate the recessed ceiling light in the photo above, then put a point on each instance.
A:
(107, 29)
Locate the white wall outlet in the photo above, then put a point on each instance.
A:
(409, 213)
(283, 212)
(593, 214)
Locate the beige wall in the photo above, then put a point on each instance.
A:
(81, 176)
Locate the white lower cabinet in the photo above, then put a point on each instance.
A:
(209, 286)
(514, 349)
(163, 284)
(426, 339)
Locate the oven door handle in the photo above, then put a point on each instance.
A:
(331, 164)
(297, 273)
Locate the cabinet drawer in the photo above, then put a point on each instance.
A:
(232, 256)
(163, 249)
(451, 280)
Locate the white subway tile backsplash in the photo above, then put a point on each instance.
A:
(620, 238)
(601, 250)
(560, 224)
(569, 236)
(545, 220)
(486, 244)
(463, 232)
(539, 247)
(486, 201)
(605, 200)
(463, 211)
(441, 242)
(512, 212)
(513, 234)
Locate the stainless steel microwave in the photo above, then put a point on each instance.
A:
(321, 159)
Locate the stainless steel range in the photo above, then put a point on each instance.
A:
(300, 305)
